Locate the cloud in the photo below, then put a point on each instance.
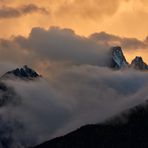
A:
(11, 55)
(57, 46)
(11, 12)
(75, 96)
(90, 9)
(64, 45)
(77, 89)
(126, 43)
(118, 17)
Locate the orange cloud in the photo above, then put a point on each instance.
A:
(127, 18)
(90, 9)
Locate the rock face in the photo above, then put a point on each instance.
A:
(118, 58)
(22, 73)
(119, 61)
(139, 64)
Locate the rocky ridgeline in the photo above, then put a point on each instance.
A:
(119, 61)
(21, 73)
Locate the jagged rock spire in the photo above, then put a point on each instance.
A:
(139, 64)
(119, 61)
(118, 58)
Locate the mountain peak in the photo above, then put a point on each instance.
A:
(24, 73)
(118, 58)
(139, 64)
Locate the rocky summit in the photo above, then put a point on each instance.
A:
(118, 58)
(139, 64)
(119, 61)
(22, 73)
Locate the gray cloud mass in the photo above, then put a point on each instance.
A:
(77, 88)
(75, 96)
(63, 45)
(126, 43)
(11, 12)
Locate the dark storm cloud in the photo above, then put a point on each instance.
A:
(64, 45)
(126, 43)
(11, 12)
(10, 52)
(105, 37)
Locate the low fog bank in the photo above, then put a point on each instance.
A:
(73, 97)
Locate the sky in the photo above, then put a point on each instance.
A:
(69, 43)
(122, 18)
(126, 18)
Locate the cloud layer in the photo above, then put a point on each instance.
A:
(56, 45)
(117, 17)
(78, 88)
(90, 9)
(64, 45)
(10, 12)
(75, 96)
(126, 43)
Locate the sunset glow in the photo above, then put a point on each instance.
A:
(125, 17)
